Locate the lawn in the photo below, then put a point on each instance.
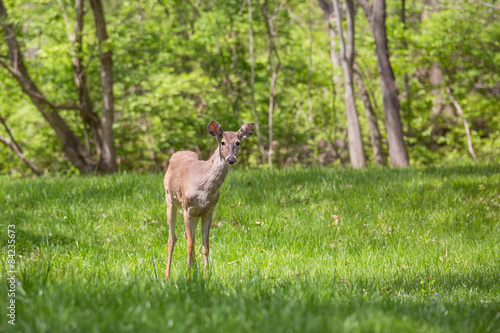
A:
(294, 250)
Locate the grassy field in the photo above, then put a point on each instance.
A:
(308, 250)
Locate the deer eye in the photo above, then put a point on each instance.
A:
(223, 143)
(237, 143)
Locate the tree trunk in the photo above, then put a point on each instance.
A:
(107, 162)
(406, 78)
(71, 144)
(326, 7)
(252, 81)
(375, 136)
(376, 18)
(464, 120)
(356, 152)
(273, 72)
(309, 65)
(87, 113)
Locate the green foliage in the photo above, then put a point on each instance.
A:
(297, 250)
(178, 65)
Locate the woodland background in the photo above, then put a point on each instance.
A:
(121, 85)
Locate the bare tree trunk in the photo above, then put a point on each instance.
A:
(87, 112)
(375, 136)
(326, 7)
(273, 71)
(406, 79)
(71, 144)
(356, 152)
(334, 62)
(376, 17)
(309, 64)
(464, 120)
(252, 82)
(107, 162)
(12, 144)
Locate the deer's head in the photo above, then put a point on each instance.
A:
(230, 142)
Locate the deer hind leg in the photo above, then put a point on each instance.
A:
(172, 238)
(205, 230)
(191, 224)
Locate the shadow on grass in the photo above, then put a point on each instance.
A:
(80, 189)
(146, 305)
(26, 241)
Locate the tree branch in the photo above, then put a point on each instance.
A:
(12, 144)
(37, 95)
(466, 125)
(367, 8)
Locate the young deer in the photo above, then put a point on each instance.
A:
(193, 186)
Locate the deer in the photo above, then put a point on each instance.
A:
(192, 185)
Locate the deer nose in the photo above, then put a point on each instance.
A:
(231, 160)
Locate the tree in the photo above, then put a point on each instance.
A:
(464, 121)
(107, 161)
(79, 155)
(356, 151)
(375, 136)
(375, 13)
(274, 64)
(252, 80)
(327, 8)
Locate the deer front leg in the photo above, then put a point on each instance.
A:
(191, 224)
(172, 238)
(205, 231)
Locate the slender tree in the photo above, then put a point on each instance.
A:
(376, 13)
(326, 7)
(375, 137)
(274, 64)
(252, 80)
(309, 64)
(356, 151)
(464, 121)
(87, 113)
(108, 157)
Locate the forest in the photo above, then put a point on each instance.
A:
(107, 86)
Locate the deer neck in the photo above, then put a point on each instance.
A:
(217, 170)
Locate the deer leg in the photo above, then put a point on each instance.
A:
(191, 224)
(172, 238)
(205, 230)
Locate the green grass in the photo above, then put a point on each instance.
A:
(413, 250)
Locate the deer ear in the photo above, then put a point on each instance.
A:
(246, 131)
(215, 129)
